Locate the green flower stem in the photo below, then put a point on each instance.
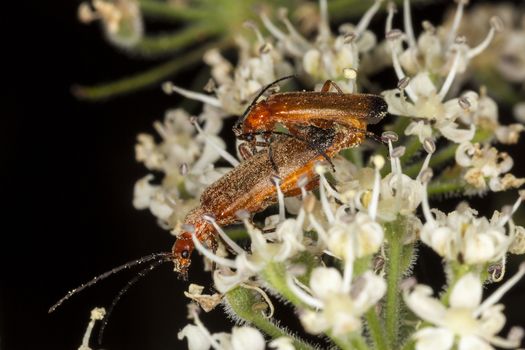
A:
(412, 146)
(161, 10)
(275, 275)
(376, 329)
(237, 234)
(358, 342)
(165, 44)
(438, 188)
(438, 159)
(409, 345)
(394, 233)
(143, 79)
(242, 301)
(353, 341)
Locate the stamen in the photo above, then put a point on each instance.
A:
(280, 198)
(283, 12)
(497, 271)
(348, 272)
(392, 38)
(455, 24)
(223, 235)
(324, 25)
(426, 175)
(496, 25)
(367, 17)
(183, 169)
(351, 75)
(321, 233)
(210, 255)
(258, 34)
(330, 190)
(391, 8)
(319, 169)
(276, 32)
(508, 216)
(390, 151)
(224, 154)
(168, 88)
(430, 148)
(302, 295)
(498, 294)
(301, 183)
(403, 83)
(379, 162)
(407, 20)
(450, 77)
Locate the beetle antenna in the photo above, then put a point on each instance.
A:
(264, 89)
(128, 285)
(155, 256)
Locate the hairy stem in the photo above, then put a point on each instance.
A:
(394, 233)
(165, 44)
(242, 301)
(376, 329)
(160, 10)
(143, 79)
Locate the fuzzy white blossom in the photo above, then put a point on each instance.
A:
(199, 338)
(486, 167)
(467, 321)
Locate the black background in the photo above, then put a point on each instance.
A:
(68, 172)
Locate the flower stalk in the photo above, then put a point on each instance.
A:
(394, 233)
(242, 301)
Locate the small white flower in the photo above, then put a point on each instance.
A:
(185, 158)
(282, 343)
(329, 56)
(464, 237)
(482, 163)
(121, 20)
(199, 338)
(427, 105)
(354, 237)
(467, 321)
(339, 306)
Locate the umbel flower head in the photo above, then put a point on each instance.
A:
(338, 251)
(467, 321)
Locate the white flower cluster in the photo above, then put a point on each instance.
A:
(340, 257)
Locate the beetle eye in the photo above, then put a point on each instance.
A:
(185, 254)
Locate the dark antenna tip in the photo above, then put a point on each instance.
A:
(155, 256)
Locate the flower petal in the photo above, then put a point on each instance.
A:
(197, 340)
(434, 339)
(325, 282)
(421, 302)
(466, 293)
(247, 338)
(473, 343)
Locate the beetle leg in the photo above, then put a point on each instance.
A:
(327, 84)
